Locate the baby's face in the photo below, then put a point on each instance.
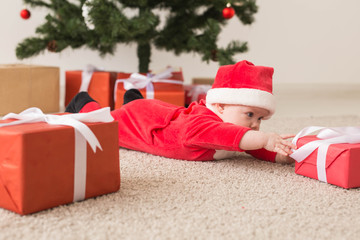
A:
(244, 115)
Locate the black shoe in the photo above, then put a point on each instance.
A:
(131, 95)
(78, 102)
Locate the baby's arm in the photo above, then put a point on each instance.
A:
(270, 141)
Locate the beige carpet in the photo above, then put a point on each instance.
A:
(239, 198)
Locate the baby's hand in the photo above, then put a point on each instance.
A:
(277, 143)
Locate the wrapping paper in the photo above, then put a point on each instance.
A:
(334, 158)
(37, 165)
(100, 86)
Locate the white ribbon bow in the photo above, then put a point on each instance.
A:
(83, 134)
(328, 136)
(86, 76)
(138, 81)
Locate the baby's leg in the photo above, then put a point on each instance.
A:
(89, 107)
(131, 95)
(82, 102)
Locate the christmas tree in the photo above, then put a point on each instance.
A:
(190, 26)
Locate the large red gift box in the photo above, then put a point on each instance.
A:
(37, 165)
(167, 92)
(101, 87)
(342, 163)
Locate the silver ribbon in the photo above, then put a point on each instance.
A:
(86, 76)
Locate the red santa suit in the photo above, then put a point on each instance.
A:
(194, 133)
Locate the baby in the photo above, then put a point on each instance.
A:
(228, 122)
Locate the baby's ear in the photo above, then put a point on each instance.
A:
(219, 107)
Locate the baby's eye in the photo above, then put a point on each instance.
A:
(250, 114)
(260, 118)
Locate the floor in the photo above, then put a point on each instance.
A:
(317, 100)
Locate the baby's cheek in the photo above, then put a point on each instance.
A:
(242, 122)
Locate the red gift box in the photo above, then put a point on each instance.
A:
(163, 90)
(101, 87)
(37, 165)
(196, 92)
(342, 164)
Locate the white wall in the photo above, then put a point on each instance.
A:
(306, 41)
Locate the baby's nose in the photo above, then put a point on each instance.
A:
(255, 126)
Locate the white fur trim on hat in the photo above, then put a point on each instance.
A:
(243, 96)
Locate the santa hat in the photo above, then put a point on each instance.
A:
(245, 84)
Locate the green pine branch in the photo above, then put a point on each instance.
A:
(226, 55)
(191, 26)
(31, 47)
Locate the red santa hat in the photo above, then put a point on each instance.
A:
(245, 84)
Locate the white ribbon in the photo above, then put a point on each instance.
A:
(327, 137)
(83, 134)
(86, 76)
(196, 90)
(139, 81)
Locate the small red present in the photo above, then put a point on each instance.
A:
(99, 84)
(195, 92)
(166, 86)
(331, 156)
(44, 165)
